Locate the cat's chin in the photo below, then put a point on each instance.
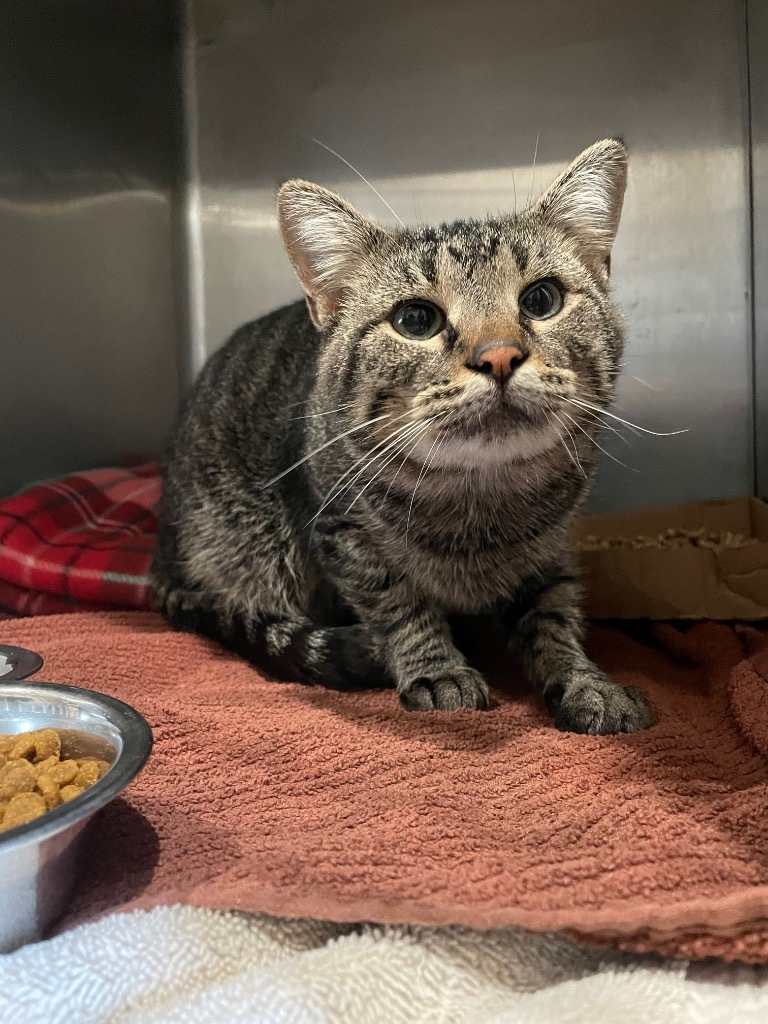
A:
(518, 442)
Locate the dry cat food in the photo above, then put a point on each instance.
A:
(34, 779)
(670, 539)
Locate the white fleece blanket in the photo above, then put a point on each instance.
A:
(177, 965)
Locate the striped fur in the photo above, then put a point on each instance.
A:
(419, 490)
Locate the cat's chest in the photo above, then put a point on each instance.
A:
(467, 556)
(469, 582)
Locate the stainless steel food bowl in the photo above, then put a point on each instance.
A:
(39, 860)
(18, 663)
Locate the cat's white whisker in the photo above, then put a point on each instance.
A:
(412, 448)
(361, 176)
(394, 439)
(295, 405)
(603, 425)
(335, 491)
(567, 449)
(644, 382)
(421, 429)
(427, 462)
(575, 457)
(339, 437)
(594, 442)
(330, 412)
(417, 208)
(533, 169)
(604, 422)
(390, 441)
(613, 416)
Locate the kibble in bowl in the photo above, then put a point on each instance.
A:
(34, 779)
(65, 753)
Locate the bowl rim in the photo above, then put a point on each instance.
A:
(137, 746)
(27, 662)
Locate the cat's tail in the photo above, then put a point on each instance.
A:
(295, 650)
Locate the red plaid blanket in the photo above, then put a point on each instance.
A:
(81, 543)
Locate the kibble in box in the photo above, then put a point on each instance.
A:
(702, 560)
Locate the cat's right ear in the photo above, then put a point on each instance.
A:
(325, 239)
(586, 200)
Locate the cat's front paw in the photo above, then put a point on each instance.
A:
(589, 702)
(461, 688)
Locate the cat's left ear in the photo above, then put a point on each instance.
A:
(326, 239)
(586, 200)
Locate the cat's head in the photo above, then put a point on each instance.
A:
(484, 331)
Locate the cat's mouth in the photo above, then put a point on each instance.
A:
(503, 412)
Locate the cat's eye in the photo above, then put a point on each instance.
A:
(418, 320)
(541, 300)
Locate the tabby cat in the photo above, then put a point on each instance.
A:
(411, 444)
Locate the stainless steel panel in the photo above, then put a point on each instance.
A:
(89, 107)
(757, 12)
(440, 105)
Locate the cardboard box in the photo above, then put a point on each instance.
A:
(633, 571)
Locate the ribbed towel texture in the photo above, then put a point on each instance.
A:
(300, 801)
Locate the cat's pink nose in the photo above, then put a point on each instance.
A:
(499, 360)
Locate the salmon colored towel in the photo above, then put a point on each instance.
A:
(304, 802)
